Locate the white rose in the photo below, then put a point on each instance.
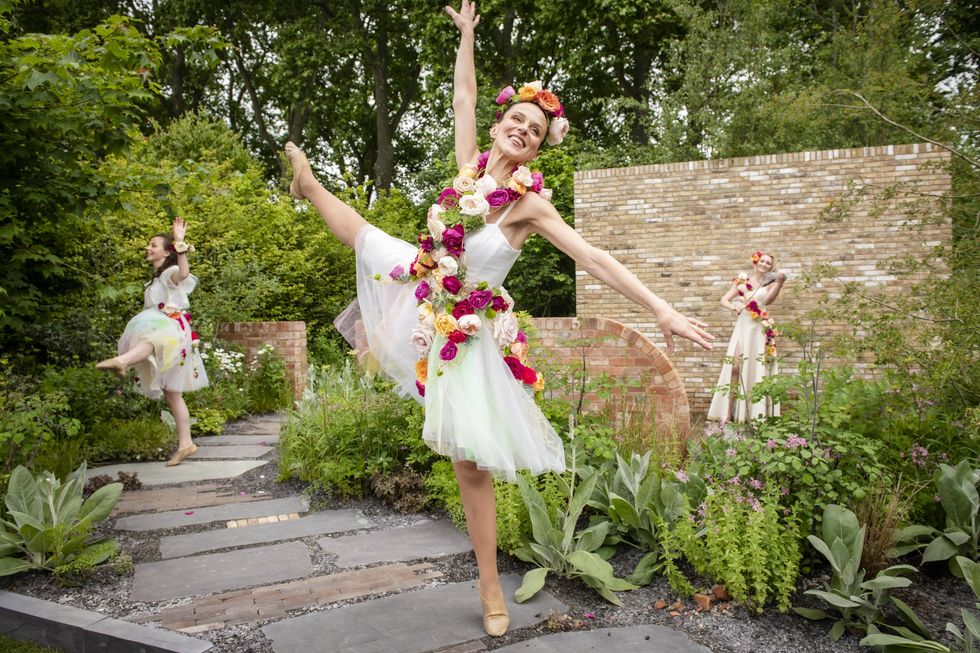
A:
(557, 131)
(743, 276)
(475, 204)
(485, 185)
(505, 328)
(469, 324)
(545, 194)
(448, 266)
(422, 336)
(523, 176)
(427, 316)
(463, 184)
(536, 85)
(434, 224)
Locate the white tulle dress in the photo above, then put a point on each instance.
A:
(474, 409)
(748, 341)
(165, 322)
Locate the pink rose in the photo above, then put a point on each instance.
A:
(396, 272)
(516, 368)
(506, 94)
(452, 285)
(521, 337)
(498, 197)
(420, 388)
(457, 337)
(462, 307)
(426, 243)
(529, 376)
(452, 240)
(537, 181)
(422, 291)
(499, 304)
(557, 131)
(519, 349)
(448, 351)
(480, 298)
(449, 199)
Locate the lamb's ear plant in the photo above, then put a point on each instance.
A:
(957, 490)
(557, 547)
(48, 523)
(854, 603)
(917, 638)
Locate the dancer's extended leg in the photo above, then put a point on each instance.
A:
(341, 219)
(120, 363)
(185, 447)
(480, 507)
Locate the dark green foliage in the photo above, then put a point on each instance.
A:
(268, 386)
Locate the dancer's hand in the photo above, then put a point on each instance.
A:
(179, 228)
(781, 277)
(466, 19)
(672, 324)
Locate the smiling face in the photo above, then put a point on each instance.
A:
(156, 251)
(765, 264)
(520, 132)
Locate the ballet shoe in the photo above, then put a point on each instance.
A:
(114, 365)
(181, 454)
(496, 619)
(298, 162)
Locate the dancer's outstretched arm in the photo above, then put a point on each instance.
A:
(183, 267)
(605, 268)
(464, 84)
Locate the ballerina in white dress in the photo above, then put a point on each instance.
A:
(159, 342)
(439, 322)
(751, 354)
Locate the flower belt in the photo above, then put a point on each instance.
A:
(179, 315)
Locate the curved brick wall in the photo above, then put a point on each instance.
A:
(289, 339)
(623, 353)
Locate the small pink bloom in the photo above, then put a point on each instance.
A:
(422, 291)
(462, 307)
(448, 351)
(537, 181)
(506, 94)
(590, 615)
(480, 298)
(189, 512)
(420, 388)
(396, 272)
(451, 284)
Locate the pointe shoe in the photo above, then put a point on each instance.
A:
(496, 619)
(114, 365)
(181, 454)
(298, 161)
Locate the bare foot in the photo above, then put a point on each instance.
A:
(299, 163)
(114, 365)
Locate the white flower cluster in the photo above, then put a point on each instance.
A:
(228, 361)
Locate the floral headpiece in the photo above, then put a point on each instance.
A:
(756, 256)
(549, 103)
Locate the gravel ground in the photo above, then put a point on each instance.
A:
(727, 628)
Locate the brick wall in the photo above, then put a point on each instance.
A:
(654, 389)
(289, 339)
(686, 229)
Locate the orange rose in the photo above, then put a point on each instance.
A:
(548, 101)
(422, 370)
(538, 384)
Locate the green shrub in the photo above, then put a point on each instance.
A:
(347, 428)
(443, 490)
(268, 388)
(227, 396)
(125, 440)
(48, 522)
(207, 421)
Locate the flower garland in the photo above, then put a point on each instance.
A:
(743, 285)
(450, 305)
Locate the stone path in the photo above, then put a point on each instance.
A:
(252, 559)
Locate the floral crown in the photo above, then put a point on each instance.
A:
(548, 101)
(758, 255)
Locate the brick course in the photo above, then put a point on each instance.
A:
(685, 229)
(289, 339)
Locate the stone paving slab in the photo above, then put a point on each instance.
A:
(429, 540)
(218, 611)
(327, 521)
(71, 629)
(178, 518)
(267, 428)
(629, 639)
(157, 473)
(232, 438)
(181, 498)
(412, 622)
(231, 451)
(219, 572)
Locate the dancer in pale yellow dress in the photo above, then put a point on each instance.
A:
(751, 354)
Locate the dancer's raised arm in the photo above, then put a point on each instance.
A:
(601, 265)
(464, 84)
